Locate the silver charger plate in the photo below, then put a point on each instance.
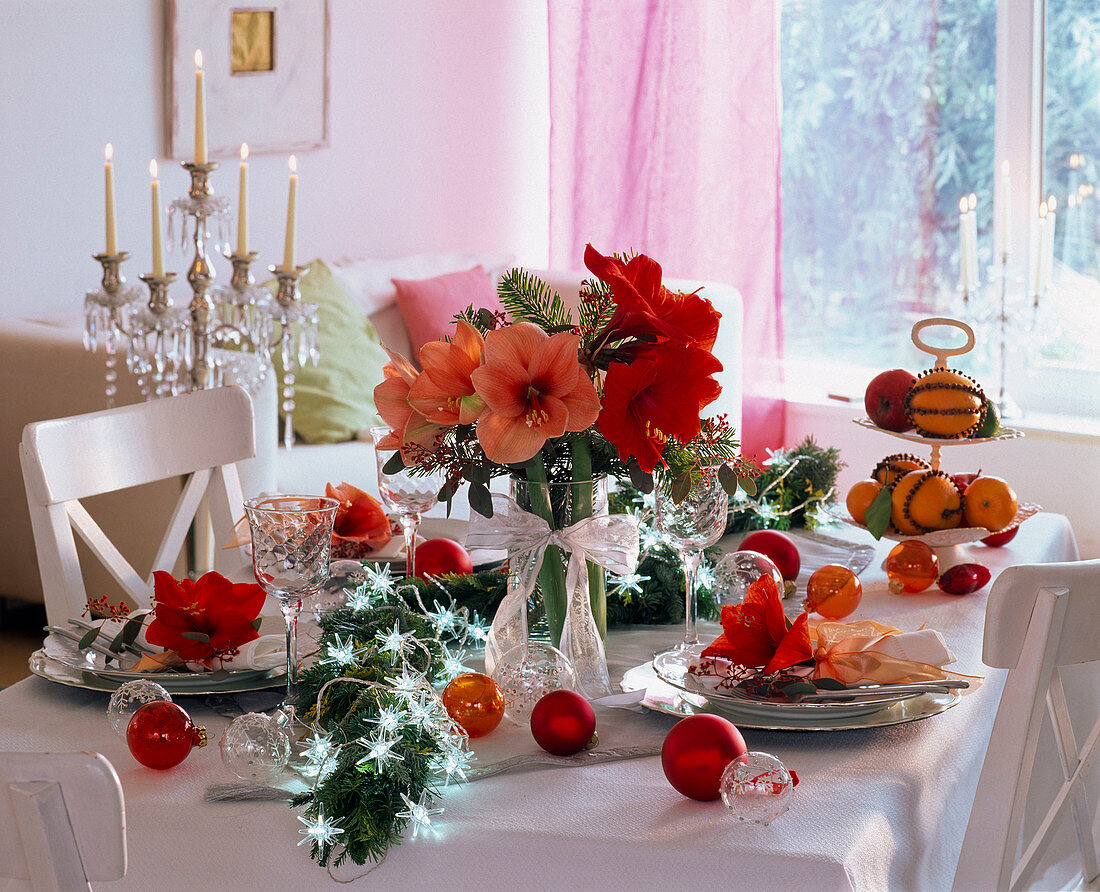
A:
(664, 698)
(177, 684)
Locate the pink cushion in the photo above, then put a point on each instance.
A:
(430, 305)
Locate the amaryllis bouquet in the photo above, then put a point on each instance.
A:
(551, 397)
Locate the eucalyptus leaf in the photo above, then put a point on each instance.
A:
(481, 500)
(394, 464)
(797, 688)
(681, 486)
(877, 515)
(132, 629)
(748, 484)
(197, 636)
(641, 480)
(727, 476)
(87, 638)
(829, 684)
(256, 623)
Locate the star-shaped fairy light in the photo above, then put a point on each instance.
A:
(704, 576)
(627, 583)
(380, 750)
(361, 597)
(650, 538)
(322, 831)
(395, 641)
(407, 684)
(454, 763)
(320, 755)
(389, 719)
(419, 815)
(342, 653)
(453, 665)
(427, 711)
(443, 618)
(380, 579)
(477, 630)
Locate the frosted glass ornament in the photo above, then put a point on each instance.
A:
(255, 747)
(756, 788)
(735, 572)
(527, 673)
(129, 698)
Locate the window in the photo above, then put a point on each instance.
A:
(890, 118)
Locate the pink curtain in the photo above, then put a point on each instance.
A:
(665, 140)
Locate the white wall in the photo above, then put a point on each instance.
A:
(439, 128)
(1056, 470)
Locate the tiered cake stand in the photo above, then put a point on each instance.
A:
(948, 543)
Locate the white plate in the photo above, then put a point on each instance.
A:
(1004, 433)
(453, 528)
(671, 667)
(956, 536)
(663, 698)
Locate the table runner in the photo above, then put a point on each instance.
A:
(877, 808)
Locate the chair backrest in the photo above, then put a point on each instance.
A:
(1042, 622)
(62, 820)
(197, 436)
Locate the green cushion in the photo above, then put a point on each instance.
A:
(335, 400)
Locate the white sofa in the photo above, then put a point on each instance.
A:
(46, 373)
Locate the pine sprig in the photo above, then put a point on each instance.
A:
(527, 298)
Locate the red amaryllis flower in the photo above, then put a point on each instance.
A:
(534, 389)
(410, 431)
(360, 519)
(659, 395)
(203, 619)
(756, 632)
(646, 307)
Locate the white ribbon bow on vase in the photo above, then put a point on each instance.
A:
(610, 540)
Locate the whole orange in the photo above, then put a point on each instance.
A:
(990, 503)
(924, 501)
(860, 497)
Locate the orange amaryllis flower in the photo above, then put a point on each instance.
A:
(645, 307)
(202, 619)
(360, 517)
(659, 395)
(757, 633)
(410, 431)
(534, 389)
(444, 393)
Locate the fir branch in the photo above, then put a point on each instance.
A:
(527, 298)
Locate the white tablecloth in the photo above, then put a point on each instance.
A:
(875, 809)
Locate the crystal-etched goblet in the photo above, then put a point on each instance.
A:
(410, 493)
(690, 526)
(291, 543)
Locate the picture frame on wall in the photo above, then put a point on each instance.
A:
(266, 75)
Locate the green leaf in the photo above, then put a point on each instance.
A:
(197, 636)
(798, 687)
(727, 476)
(448, 490)
(828, 684)
(87, 638)
(219, 675)
(394, 464)
(878, 513)
(481, 500)
(132, 629)
(257, 622)
(748, 484)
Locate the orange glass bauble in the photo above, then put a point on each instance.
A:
(911, 566)
(833, 591)
(475, 702)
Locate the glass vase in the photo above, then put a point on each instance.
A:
(561, 505)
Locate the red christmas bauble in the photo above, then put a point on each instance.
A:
(697, 751)
(563, 723)
(160, 734)
(778, 547)
(438, 556)
(475, 702)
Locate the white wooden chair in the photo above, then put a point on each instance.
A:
(62, 821)
(1039, 778)
(199, 436)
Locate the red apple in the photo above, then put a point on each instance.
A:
(1002, 538)
(962, 481)
(885, 399)
(778, 547)
(438, 556)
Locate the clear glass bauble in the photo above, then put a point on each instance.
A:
(129, 698)
(735, 572)
(255, 747)
(528, 672)
(756, 788)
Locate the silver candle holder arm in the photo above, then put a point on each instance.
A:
(106, 316)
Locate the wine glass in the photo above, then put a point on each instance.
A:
(689, 527)
(291, 543)
(407, 491)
